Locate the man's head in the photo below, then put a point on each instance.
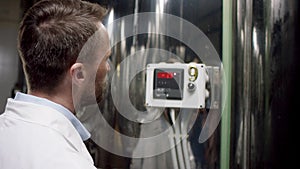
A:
(51, 37)
(90, 70)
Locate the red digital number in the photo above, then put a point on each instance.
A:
(165, 75)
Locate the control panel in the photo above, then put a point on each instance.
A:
(176, 85)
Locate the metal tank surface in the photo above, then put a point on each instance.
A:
(265, 48)
(131, 52)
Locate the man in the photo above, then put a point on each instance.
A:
(64, 50)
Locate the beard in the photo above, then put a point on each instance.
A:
(101, 90)
(94, 93)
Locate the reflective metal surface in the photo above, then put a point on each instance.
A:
(263, 81)
(204, 14)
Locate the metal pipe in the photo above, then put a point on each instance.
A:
(227, 63)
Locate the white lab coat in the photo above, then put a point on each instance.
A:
(33, 136)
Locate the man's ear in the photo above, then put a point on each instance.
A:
(77, 73)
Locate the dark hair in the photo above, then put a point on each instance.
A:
(51, 36)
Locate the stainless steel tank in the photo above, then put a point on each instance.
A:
(131, 50)
(265, 45)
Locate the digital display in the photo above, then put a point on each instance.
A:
(168, 84)
(165, 75)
